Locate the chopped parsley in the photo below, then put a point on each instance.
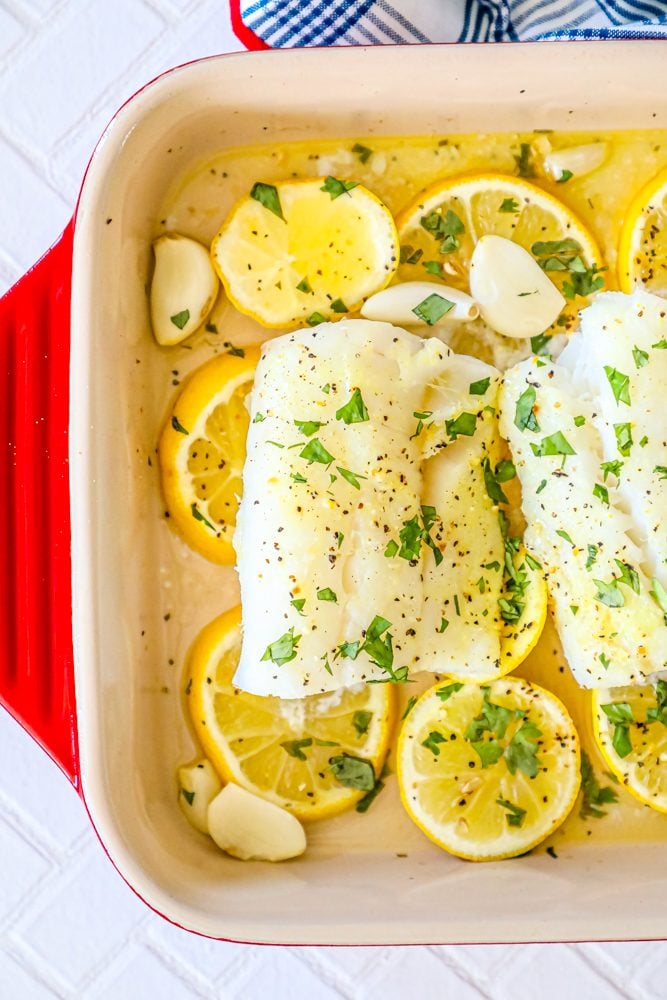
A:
(353, 772)
(354, 411)
(462, 426)
(602, 493)
(488, 751)
(432, 742)
(363, 152)
(524, 417)
(620, 714)
(327, 594)
(421, 416)
(612, 468)
(432, 267)
(304, 286)
(539, 343)
(336, 188)
(565, 176)
(593, 795)
(564, 534)
(661, 471)
(361, 720)
(178, 426)
(509, 205)
(412, 701)
(659, 713)
(338, 306)
(391, 549)
(659, 595)
(308, 427)
(315, 319)
(444, 693)
(315, 451)
(609, 593)
(629, 576)
(515, 814)
(579, 421)
(408, 255)
(641, 357)
(180, 319)
(620, 384)
(188, 796)
(524, 163)
(592, 555)
(554, 444)
(297, 477)
(283, 650)
(295, 748)
(198, 516)
(623, 434)
(298, 603)
(259, 418)
(479, 388)
(604, 660)
(267, 195)
(432, 308)
(521, 753)
(444, 625)
(351, 477)
(446, 229)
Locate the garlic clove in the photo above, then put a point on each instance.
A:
(198, 786)
(515, 296)
(183, 290)
(253, 829)
(397, 304)
(576, 160)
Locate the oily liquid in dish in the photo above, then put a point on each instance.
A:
(396, 171)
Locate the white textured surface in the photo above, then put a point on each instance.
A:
(69, 927)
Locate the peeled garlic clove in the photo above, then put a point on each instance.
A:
(253, 829)
(198, 786)
(397, 304)
(515, 296)
(183, 290)
(576, 160)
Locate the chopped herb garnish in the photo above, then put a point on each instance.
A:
(339, 538)
(391, 549)
(315, 451)
(509, 205)
(539, 343)
(364, 804)
(304, 286)
(592, 555)
(297, 477)
(326, 389)
(661, 345)
(178, 426)
(521, 753)
(338, 306)
(432, 267)
(363, 152)
(361, 720)
(604, 660)
(609, 593)
(353, 772)
(621, 715)
(258, 418)
(308, 427)
(336, 188)
(491, 482)
(659, 713)
(602, 493)
(574, 608)
(432, 742)
(464, 425)
(409, 255)
(236, 352)
(298, 603)
(524, 417)
(348, 650)
(283, 650)
(629, 576)
(643, 442)
(515, 814)
(327, 594)
(198, 516)
(432, 308)
(564, 534)
(354, 411)
(565, 176)
(267, 195)
(315, 319)
(444, 625)
(295, 748)
(543, 483)
(446, 229)
(479, 388)
(593, 795)
(623, 434)
(412, 701)
(612, 468)
(620, 384)
(524, 164)
(351, 477)
(445, 693)
(532, 562)
(641, 357)
(188, 796)
(579, 421)
(488, 751)
(661, 471)
(659, 595)
(421, 416)
(554, 444)
(180, 319)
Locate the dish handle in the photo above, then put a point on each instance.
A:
(36, 658)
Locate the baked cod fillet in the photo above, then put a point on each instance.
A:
(588, 439)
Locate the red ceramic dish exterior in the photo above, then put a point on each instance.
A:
(36, 658)
(242, 32)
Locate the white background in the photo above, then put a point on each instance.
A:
(69, 927)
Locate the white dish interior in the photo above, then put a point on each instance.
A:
(353, 886)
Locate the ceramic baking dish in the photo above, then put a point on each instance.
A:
(103, 697)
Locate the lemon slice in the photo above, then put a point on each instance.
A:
(305, 251)
(315, 756)
(442, 226)
(488, 772)
(633, 740)
(642, 251)
(202, 451)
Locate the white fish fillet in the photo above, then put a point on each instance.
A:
(296, 539)
(598, 555)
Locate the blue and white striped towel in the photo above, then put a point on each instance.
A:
(287, 23)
